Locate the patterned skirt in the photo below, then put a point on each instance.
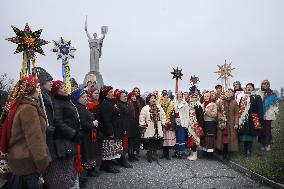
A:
(61, 174)
(111, 149)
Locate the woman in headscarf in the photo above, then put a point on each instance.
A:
(182, 112)
(209, 125)
(134, 132)
(87, 124)
(112, 131)
(152, 120)
(23, 135)
(63, 171)
(93, 106)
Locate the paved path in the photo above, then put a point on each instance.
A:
(176, 173)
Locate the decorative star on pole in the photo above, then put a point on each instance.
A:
(194, 80)
(63, 49)
(28, 42)
(225, 72)
(177, 75)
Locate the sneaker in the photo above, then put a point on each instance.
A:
(193, 157)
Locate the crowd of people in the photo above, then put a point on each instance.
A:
(63, 139)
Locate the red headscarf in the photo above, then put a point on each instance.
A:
(56, 85)
(130, 103)
(22, 89)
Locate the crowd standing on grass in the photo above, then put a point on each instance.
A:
(64, 139)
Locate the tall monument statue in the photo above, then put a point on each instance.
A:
(95, 45)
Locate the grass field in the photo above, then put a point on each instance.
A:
(269, 164)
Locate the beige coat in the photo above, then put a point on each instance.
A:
(146, 122)
(210, 112)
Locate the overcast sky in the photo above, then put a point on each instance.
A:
(147, 38)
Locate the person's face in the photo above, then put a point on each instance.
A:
(219, 89)
(213, 95)
(95, 35)
(265, 85)
(83, 99)
(206, 96)
(229, 93)
(179, 97)
(185, 94)
(136, 91)
(133, 98)
(155, 93)
(153, 100)
(110, 94)
(62, 91)
(123, 97)
(166, 96)
(249, 88)
(37, 91)
(74, 87)
(237, 86)
(96, 95)
(48, 85)
(193, 99)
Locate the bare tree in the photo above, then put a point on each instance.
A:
(6, 83)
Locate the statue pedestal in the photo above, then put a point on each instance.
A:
(99, 79)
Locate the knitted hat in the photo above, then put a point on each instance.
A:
(75, 95)
(43, 75)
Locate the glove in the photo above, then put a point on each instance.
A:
(96, 123)
(178, 121)
(50, 130)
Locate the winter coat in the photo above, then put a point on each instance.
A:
(231, 109)
(88, 146)
(271, 101)
(66, 120)
(109, 119)
(183, 110)
(125, 118)
(27, 149)
(134, 131)
(50, 117)
(146, 122)
(141, 100)
(247, 127)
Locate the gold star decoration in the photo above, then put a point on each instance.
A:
(225, 71)
(177, 73)
(194, 80)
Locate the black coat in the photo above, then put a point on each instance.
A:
(125, 118)
(66, 120)
(256, 107)
(141, 100)
(89, 148)
(109, 119)
(134, 129)
(50, 116)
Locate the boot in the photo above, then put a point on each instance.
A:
(154, 156)
(124, 163)
(93, 173)
(109, 168)
(83, 182)
(164, 153)
(167, 154)
(149, 156)
(193, 157)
